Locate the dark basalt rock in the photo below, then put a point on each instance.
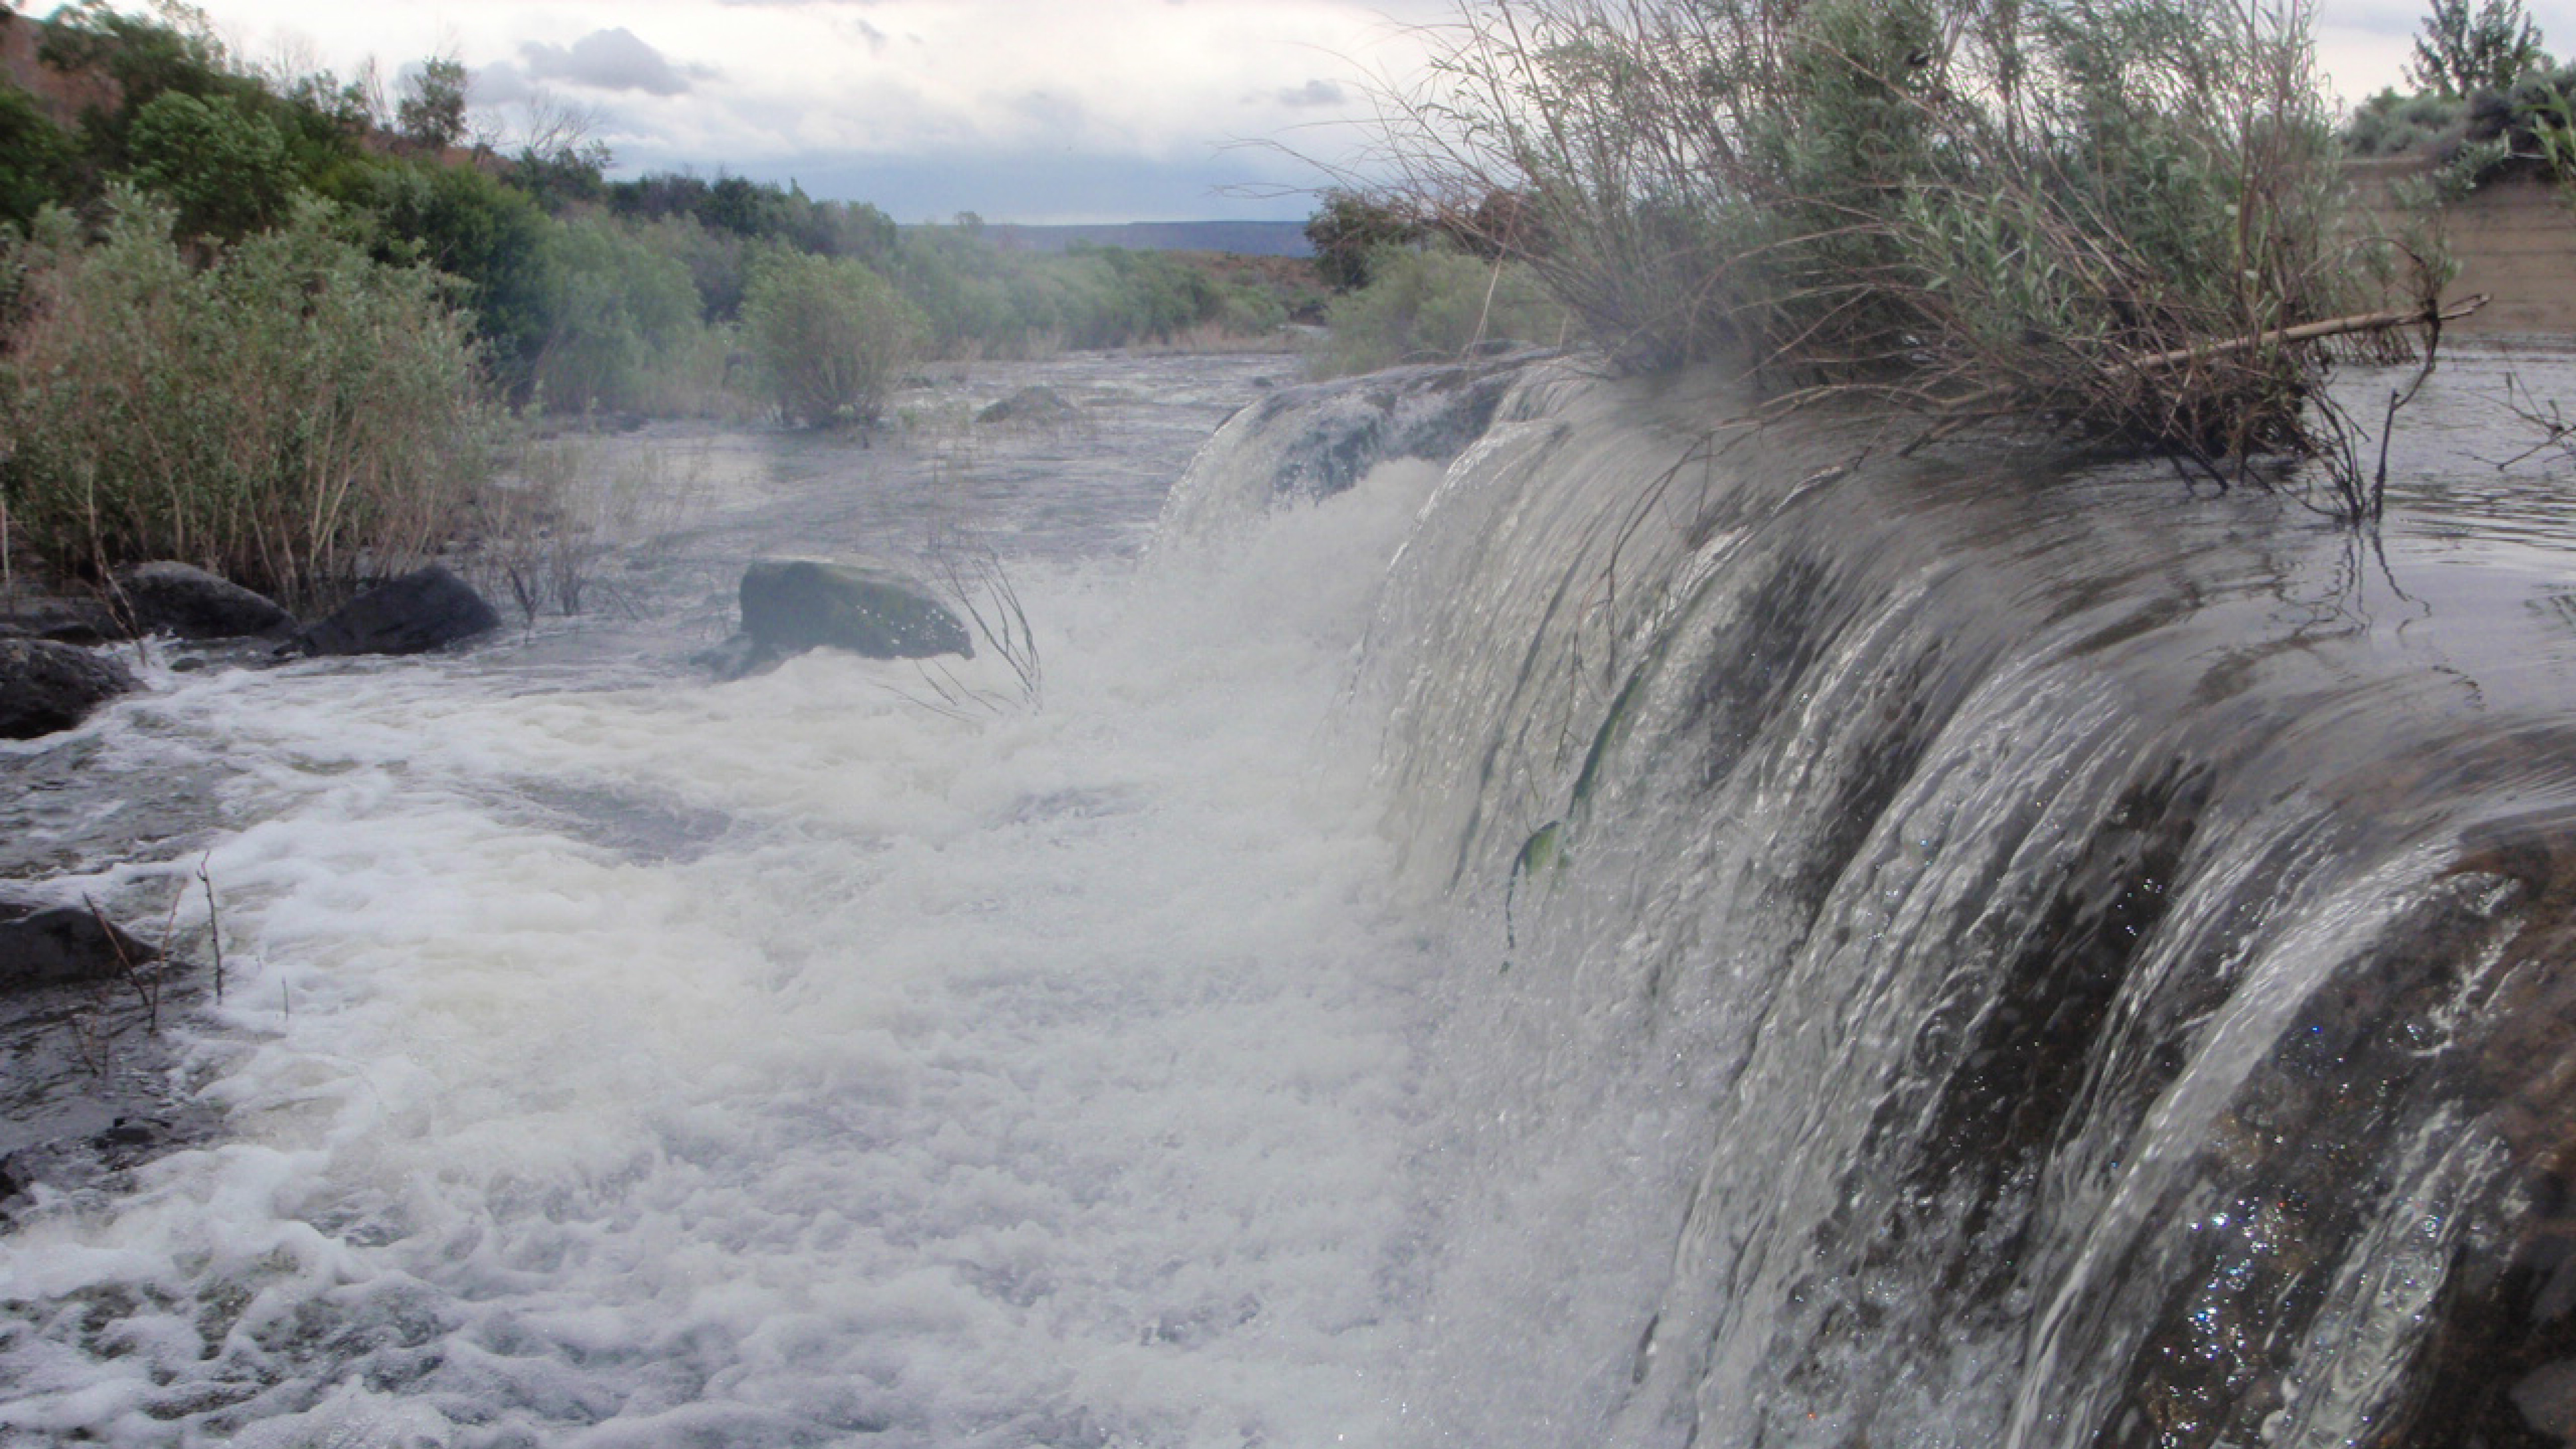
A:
(182, 599)
(426, 609)
(792, 605)
(47, 687)
(60, 620)
(43, 945)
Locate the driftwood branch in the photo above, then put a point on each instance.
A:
(1959, 412)
(2315, 332)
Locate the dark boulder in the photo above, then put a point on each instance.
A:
(42, 945)
(182, 599)
(60, 620)
(426, 609)
(791, 605)
(45, 687)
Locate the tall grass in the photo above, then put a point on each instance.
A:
(2098, 212)
(291, 415)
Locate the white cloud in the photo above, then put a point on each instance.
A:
(976, 83)
(611, 60)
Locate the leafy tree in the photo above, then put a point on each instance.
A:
(145, 58)
(35, 157)
(1348, 230)
(2462, 52)
(488, 235)
(431, 114)
(219, 161)
(620, 312)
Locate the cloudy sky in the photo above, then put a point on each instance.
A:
(1019, 110)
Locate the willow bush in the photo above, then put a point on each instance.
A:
(828, 335)
(289, 414)
(2102, 213)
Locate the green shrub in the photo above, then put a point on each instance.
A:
(1350, 231)
(828, 336)
(220, 162)
(1426, 305)
(2389, 124)
(294, 415)
(489, 237)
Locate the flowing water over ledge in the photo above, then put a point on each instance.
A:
(1637, 940)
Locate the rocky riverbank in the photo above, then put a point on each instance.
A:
(91, 1082)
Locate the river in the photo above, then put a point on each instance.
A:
(1637, 938)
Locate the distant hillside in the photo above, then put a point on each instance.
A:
(1243, 238)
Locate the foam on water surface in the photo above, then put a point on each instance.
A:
(782, 1062)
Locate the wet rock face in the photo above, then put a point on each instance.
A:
(47, 687)
(181, 599)
(1431, 412)
(50, 945)
(59, 620)
(426, 609)
(89, 1079)
(789, 606)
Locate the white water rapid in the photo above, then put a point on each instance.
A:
(614, 1058)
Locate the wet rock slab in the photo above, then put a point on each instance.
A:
(46, 688)
(186, 601)
(427, 609)
(90, 1082)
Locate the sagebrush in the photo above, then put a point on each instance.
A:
(2103, 213)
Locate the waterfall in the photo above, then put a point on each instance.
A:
(1979, 951)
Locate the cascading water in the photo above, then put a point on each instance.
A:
(1991, 952)
(1657, 935)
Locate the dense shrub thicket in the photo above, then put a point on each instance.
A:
(2100, 212)
(291, 413)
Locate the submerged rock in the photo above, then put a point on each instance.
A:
(47, 687)
(182, 599)
(1030, 405)
(425, 609)
(739, 657)
(47, 945)
(792, 605)
(1430, 412)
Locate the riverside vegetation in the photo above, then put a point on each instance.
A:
(2126, 220)
(279, 325)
